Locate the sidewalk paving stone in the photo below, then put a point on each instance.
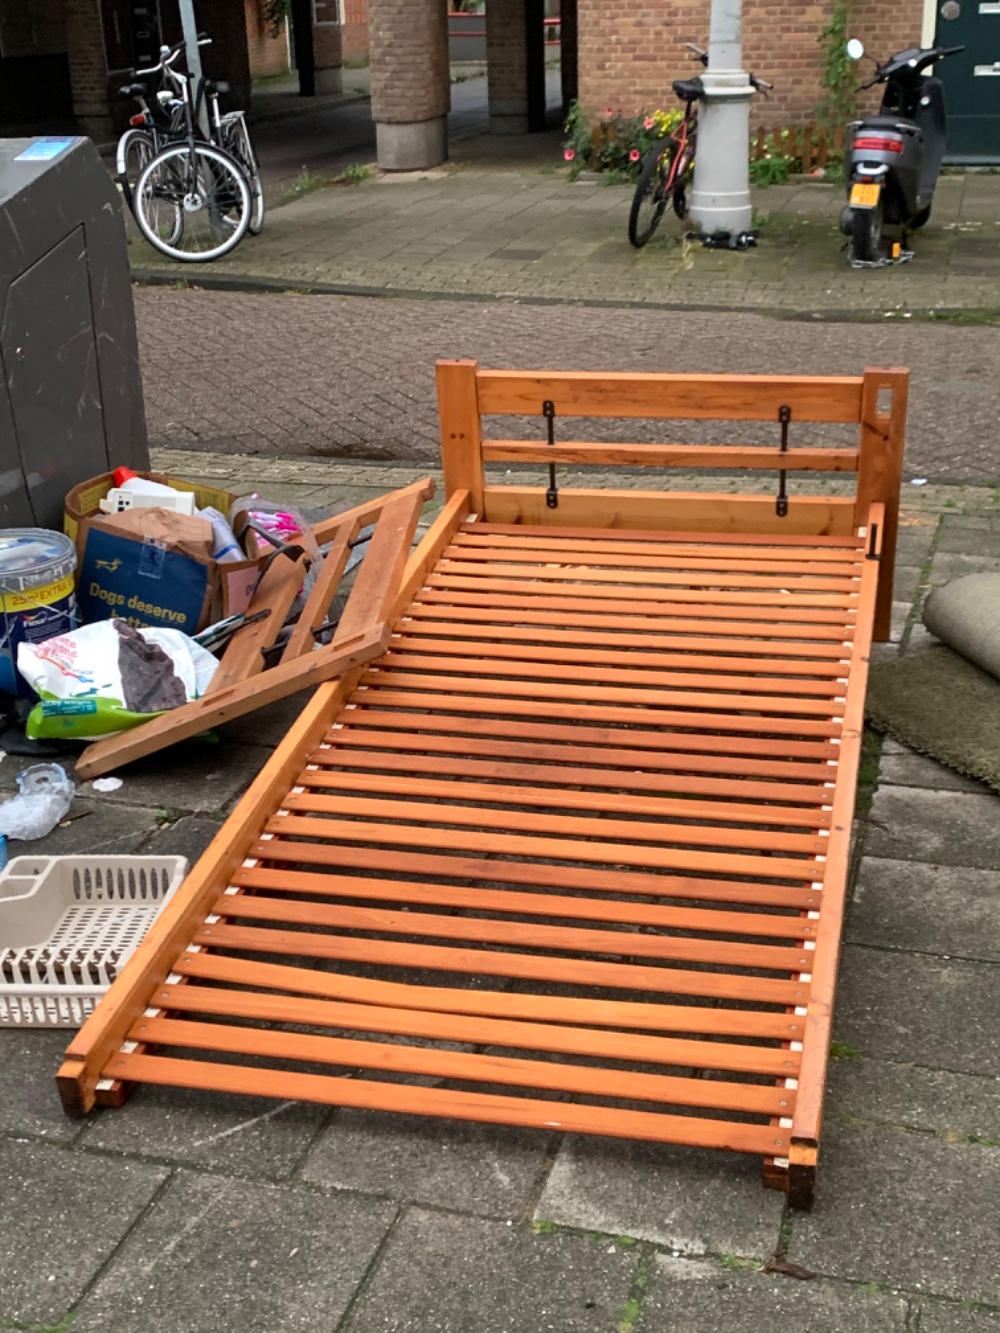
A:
(454, 1274)
(942, 1318)
(912, 1008)
(693, 1202)
(489, 1170)
(910, 769)
(231, 1256)
(29, 1058)
(62, 1217)
(953, 1106)
(247, 1136)
(933, 909)
(925, 1220)
(704, 1297)
(939, 827)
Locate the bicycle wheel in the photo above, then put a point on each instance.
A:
(649, 202)
(212, 192)
(683, 177)
(241, 148)
(135, 151)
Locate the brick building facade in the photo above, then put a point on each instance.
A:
(630, 52)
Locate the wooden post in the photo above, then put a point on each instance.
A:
(880, 471)
(461, 430)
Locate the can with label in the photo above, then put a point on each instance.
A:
(37, 594)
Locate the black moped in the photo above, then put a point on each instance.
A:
(892, 161)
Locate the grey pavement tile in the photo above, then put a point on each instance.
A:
(937, 909)
(910, 769)
(948, 565)
(905, 581)
(251, 1136)
(29, 1103)
(233, 1256)
(904, 1209)
(458, 1275)
(937, 1012)
(942, 1317)
(939, 827)
(955, 1106)
(198, 776)
(685, 1296)
(692, 1201)
(189, 837)
(486, 1169)
(63, 1215)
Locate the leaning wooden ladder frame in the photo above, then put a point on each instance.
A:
(606, 766)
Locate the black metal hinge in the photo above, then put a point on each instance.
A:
(781, 502)
(549, 413)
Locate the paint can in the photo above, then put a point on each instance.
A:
(37, 594)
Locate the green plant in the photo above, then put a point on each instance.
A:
(844, 1050)
(355, 173)
(774, 166)
(616, 143)
(305, 182)
(839, 72)
(274, 14)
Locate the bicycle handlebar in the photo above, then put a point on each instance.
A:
(168, 54)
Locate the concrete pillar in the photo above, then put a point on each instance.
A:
(88, 72)
(507, 66)
(720, 200)
(410, 82)
(327, 54)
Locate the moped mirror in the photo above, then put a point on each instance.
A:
(855, 49)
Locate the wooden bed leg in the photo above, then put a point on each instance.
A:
(880, 471)
(801, 1177)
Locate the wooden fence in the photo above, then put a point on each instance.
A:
(807, 146)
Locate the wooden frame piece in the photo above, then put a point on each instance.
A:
(362, 634)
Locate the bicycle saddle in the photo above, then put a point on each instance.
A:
(688, 90)
(134, 90)
(216, 86)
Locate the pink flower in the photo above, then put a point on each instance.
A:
(569, 155)
(634, 155)
(648, 123)
(608, 113)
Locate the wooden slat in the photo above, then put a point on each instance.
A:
(587, 590)
(274, 594)
(505, 963)
(399, 758)
(377, 582)
(564, 798)
(880, 475)
(555, 848)
(644, 1015)
(735, 560)
(544, 823)
(419, 693)
(461, 429)
(663, 579)
(691, 746)
(567, 878)
(512, 934)
(599, 532)
(716, 397)
(422, 1060)
(478, 1107)
(317, 607)
(700, 920)
(670, 455)
(697, 511)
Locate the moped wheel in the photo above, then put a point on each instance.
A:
(866, 234)
(649, 202)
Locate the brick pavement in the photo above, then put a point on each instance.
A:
(187, 1213)
(515, 227)
(348, 377)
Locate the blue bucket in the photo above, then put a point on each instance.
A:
(37, 595)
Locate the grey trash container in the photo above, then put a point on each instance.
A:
(70, 397)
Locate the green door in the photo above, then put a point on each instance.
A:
(972, 79)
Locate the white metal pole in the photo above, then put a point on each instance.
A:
(189, 27)
(720, 199)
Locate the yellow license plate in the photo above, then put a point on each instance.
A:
(865, 196)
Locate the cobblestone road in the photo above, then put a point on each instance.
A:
(353, 377)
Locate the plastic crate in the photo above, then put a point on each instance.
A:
(68, 925)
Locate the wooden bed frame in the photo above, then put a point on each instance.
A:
(576, 844)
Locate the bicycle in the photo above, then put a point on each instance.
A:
(194, 198)
(669, 169)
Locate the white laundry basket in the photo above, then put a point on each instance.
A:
(68, 925)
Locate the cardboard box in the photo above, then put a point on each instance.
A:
(84, 501)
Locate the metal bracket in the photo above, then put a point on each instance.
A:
(549, 413)
(781, 502)
(873, 551)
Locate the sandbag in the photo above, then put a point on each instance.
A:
(965, 615)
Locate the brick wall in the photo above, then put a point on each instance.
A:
(354, 34)
(507, 58)
(268, 55)
(32, 28)
(408, 46)
(327, 52)
(630, 52)
(87, 67)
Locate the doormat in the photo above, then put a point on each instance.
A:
(940, 704)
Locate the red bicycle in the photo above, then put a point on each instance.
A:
(668, 169)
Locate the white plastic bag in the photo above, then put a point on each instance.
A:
(45, 794)
(106, 677)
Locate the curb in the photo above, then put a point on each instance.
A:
(251, 283)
